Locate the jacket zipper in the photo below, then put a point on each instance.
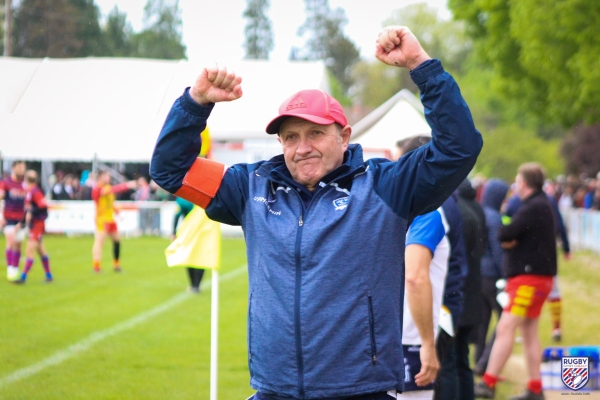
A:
(297, 294)
(372, 331)
(250, 330)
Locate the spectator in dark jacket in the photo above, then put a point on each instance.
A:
(493, 196)
(530, 264)
(560, 231)
(456, 377)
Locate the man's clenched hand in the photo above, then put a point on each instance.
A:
(397, 46)
(216, 84)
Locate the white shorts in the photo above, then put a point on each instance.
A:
(420, 394)
(20, 234)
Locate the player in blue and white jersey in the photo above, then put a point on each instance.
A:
(426, 263)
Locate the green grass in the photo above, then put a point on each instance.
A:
(165, 357)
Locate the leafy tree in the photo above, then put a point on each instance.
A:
(259, 36)
(88, 27)
(117, 34)
(64, 28)
(581, 150)
(544, 55)
(161, 37)
(327, 41)
(502, 153)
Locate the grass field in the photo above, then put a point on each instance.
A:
(139, 335)
(163, 356)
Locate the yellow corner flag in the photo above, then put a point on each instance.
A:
(198, 242)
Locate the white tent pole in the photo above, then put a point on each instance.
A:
(214, 333)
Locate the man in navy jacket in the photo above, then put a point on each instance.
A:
(324, 229)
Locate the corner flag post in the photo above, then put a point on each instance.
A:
(198, 245)
(214, 333)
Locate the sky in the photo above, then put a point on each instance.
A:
(214, 29)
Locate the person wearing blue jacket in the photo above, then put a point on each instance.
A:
(324, 229)
(494, 193)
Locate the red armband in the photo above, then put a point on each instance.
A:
(202, 181)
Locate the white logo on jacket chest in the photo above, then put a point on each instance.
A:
(266, 203)
(340, 203)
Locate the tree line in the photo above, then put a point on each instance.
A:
(528, 69)
(72, 28)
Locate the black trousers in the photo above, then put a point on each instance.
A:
(489, 304)
(442, 346)
(455, 378)
(195, 275)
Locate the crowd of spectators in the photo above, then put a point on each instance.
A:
(569, 191)
(576, 192)
(70, 186)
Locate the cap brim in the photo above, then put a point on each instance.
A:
(274, 125)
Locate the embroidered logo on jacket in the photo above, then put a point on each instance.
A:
(340, 203)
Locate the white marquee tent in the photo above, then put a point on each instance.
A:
(74, 109)
(398, 118)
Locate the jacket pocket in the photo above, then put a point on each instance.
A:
(249, 322)
(372, 329)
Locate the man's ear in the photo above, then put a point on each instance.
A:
(279, 138)
(345, 135)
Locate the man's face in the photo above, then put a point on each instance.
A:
(18, 170)
(520, 187)
(104, 179)
(310, 150)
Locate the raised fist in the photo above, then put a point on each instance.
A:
(397, 46)
(216, 84)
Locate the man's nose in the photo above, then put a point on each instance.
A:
(304, 146)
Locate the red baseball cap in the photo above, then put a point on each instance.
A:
(312, 105)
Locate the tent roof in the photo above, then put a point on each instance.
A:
(398, 118)
(72, 109)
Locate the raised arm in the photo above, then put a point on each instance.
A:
(421, 180)
(175, 164)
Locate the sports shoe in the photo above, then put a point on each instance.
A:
(49, 279)
(117, 269)
(556, 336)
(528, 395)
(193, 290)
(483, 391)
(97, 270)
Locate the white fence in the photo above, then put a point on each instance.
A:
(156, 218)
(134, 218)
(583, 228)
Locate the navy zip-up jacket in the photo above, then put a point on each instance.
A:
(326, 275)
(457, 262)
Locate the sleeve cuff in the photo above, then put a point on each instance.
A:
(427, 70)
(189, 105)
